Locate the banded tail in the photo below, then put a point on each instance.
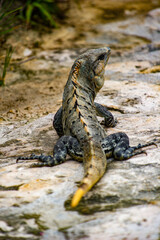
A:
(95, 169)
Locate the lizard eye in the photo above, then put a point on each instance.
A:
(101, 57)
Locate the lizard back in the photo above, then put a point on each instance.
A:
(79, 117)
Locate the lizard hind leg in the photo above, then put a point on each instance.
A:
(139, 146)
(124, 154)
(117, 145)
(123, 151)
(44, 160)
(59, 155)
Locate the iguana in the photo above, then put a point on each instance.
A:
(81, 135)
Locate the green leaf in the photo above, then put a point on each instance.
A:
(2, 16)
(13, 11)
(6, 31)
(6, 64)
(5, 13)
(29, 13)
(45, 13)
(7, 6)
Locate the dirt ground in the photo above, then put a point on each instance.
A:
(32, 99)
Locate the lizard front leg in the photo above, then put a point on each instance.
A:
(65, 145)
(57, 122)
(100, 111)
(103, 112)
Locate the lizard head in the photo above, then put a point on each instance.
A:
(93, 64)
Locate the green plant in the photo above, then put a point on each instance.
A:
(35, 7)
(31, 11)
(7, 60)
(7, 16)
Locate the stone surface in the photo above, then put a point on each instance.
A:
(125, 203)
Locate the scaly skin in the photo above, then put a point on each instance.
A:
(81, 135)
(79, 116)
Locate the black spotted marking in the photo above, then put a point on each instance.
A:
(75, 96)
(69, 100)
(75, 93)
(76, 104)
(88, 89)
(87, 174)
(80, 114)
(74, 84)
(82, 138)
(83, 185)
(88, 134)
(83, 98)
(84, 124)
(108, 150)
(85, 107)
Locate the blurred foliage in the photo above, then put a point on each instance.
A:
(14, 13)
(7, 16)
(7, 60)
(41, 11)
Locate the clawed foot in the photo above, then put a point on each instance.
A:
(139, 152)
(139, 146)
(145, 145)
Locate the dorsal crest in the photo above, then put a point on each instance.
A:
(76, 68)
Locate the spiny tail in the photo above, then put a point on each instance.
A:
(93, 175)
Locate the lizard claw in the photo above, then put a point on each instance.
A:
(20, 158)
(155, 144)
(145, 152)
(140, 152)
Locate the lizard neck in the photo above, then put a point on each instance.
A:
(80, 83)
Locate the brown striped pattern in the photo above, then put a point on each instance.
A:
(75, 95)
